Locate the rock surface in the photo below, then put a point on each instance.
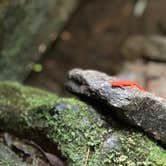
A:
(151, 75)
(27, 29)
(150, 47)
(8, 157)
(138, 108)
(156, 78)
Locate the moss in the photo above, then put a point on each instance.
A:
(137, 149)
(17, 102)
(157, 155)
(24, 96)
(75, 132)
(79, 133)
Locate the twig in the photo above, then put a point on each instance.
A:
(87, 157)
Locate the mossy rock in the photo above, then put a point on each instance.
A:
(27, 28)
(81, 135)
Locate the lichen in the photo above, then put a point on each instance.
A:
(75, 128)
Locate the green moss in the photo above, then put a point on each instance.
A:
(79, 134)
(75, 132)
(17, 103)
(157, 155)
(24, 98)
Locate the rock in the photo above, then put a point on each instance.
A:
(112, 142)
(8, 157)
(151, 75)
(156, 78)
(138, 108)
(149, 47)
(27, 30)
(74, 129)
